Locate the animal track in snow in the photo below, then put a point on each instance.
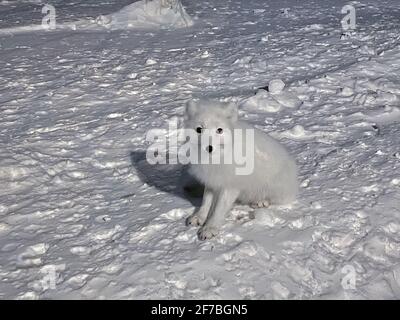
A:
(31, 256)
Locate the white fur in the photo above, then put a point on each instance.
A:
(273, 180)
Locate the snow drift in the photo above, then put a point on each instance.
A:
(145, 13)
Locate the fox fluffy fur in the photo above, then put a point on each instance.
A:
(273, 179)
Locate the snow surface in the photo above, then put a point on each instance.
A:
(78, 198)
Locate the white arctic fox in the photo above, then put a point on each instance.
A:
(272, 180)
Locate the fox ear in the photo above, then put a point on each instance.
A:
(232, 111)
(191, 109)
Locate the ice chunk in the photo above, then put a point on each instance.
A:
(276, 86)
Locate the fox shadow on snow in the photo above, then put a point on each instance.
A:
(171, 178)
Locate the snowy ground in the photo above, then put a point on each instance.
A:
(77, 199)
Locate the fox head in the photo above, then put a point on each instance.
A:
(213, 123)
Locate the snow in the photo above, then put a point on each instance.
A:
(147, 14)
(78, 201)
(276, 86)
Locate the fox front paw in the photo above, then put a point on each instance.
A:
(194, 220)
(206, 233)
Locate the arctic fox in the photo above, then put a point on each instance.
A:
(272, 180)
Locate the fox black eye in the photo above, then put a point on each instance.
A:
(199, 129)
(219, 130)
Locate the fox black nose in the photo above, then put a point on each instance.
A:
(209, 149)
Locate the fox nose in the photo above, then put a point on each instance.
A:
(209, 149)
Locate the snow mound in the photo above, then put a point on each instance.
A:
(273, 99)
(148, 14)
